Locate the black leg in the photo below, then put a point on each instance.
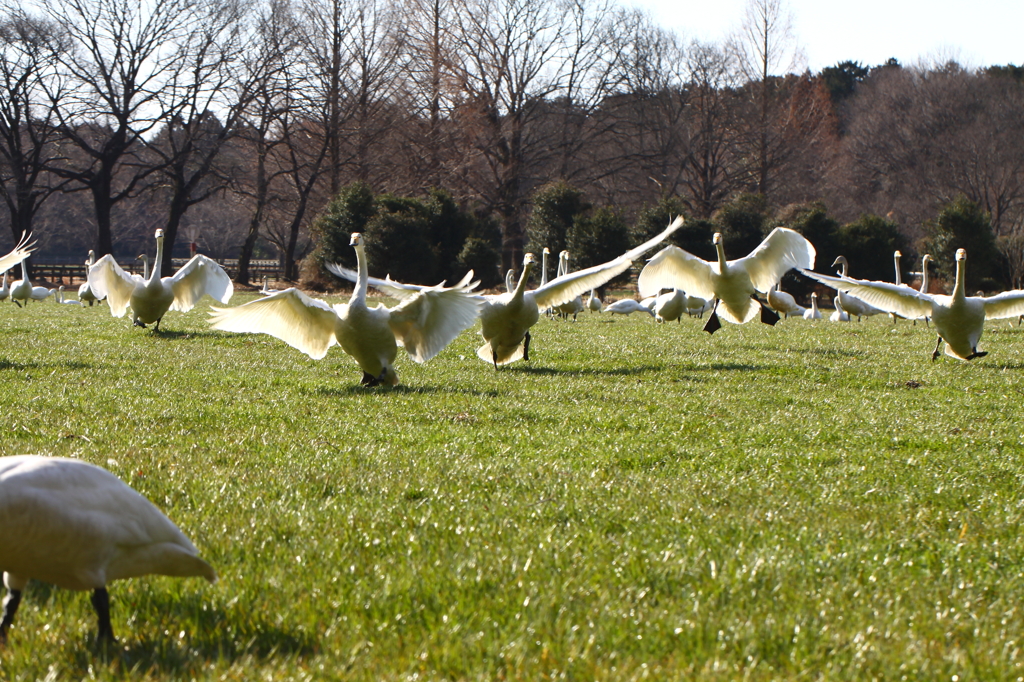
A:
(768, 315)
(935, 354)
(526, 347)
(138, 324)
(976, 354)
(101, 602)
(494, 359)
(19, 305)
(11, 602)
(713, 324)
(368, 379)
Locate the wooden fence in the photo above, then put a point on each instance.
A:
(74, 273)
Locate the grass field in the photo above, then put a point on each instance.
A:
(810, 501)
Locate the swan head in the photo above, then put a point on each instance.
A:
(814, 296)
(717, 239)
(546, 251)
(927, 259)
(142, 257)
(529, 259)
(897, 255)
(159, 234)
(357, 239)
(961, 254)
(840, 260)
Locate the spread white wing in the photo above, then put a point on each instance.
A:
(892, 298)
(195, 279)
(781, 251)
(429, 320)
(22, 251)
(108, 280)
(1006, 304)
(300, 321)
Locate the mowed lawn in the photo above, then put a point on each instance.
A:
(810, 501)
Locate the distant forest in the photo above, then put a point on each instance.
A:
(238, 126)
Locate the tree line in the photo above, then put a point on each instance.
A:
(462, 132)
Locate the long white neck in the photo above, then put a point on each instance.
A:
(924, 277)
(24, 271)
(362, 276)
(842, 267)
(899, 279)
(521, 284)
(5, 279)
(145, 266)
(154, 275)
(814, 304)
(721, 256)
(543, 269)
(961, 276)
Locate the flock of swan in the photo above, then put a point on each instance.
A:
(78, 526)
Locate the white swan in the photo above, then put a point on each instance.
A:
(813, 313)
(266, 290)
(925, 260)
(18, 254)
(5, 291)
(59, 297)
(628, 306)
(648, 303)
(85, 292)
(697, 306)
(670, 306)
(959, 319)
(151, 296)
(22, 290)
(593, 302)
(79, 527)
(506, 319)
(839, 314)
(575, 306)
(732, 283)
(424, 322)
(783, 303)
(852, 304)
(510, 280)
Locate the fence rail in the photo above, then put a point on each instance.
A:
(72, 273)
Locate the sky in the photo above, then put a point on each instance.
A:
(976, 33)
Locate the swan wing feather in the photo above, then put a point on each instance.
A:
(892, 298)
(108, 280)
(22, 251)
(1006, 304)
(782, 250)
(196, 278)
(428, 321)
(567, 287)
(304, 323)
(674, 267)
(386, 286)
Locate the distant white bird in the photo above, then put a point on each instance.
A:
(627, 306)
(697, 306)
(732, 283)
(783, 303)
(670, 306)
(813, 313)
(851, 304)
(151, 296)
(593, 302)
(60, 297)
(79, 527)
(959, 319)
(22, 290)
(510, 280)
(839, 315)
(85, 292)
(649, 303)
(925, 260)
(424, 322)
(266, 290)
(21, 251)
(506, 319)
(5, 291)
(575, 306)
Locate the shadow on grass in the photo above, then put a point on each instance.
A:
(551, 371)
(834, 352)
(172, 334)
(63, 364)
(352, 390)
(724, 367)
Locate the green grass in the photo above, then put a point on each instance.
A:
(810, 501)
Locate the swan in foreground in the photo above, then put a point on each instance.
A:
(783, 303)
(812, 313)
(839, 314)
(424, 322)
(506, 319)
(151, 296)
(959, 319)
(85, 292)
(628, 306)
(852, 304)
(77, 526)
(59, 297)
(21, 251)
(734, 283)
(670, 306)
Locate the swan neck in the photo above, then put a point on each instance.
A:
(24, 271)
(362, 274)
(543, 269)
(154, 273)
(961, 276)
(899, 279)
(814, 303)
(842, 267)
(721, 256)
(521, 284)
(924, 278)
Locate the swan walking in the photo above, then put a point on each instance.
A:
(23, 291)
(506, 319)
(959, 319)
(85, 292)
(733, 284)
(425, 321)
(852, 304)
(670, 306)
(628, 306)
(151, 296)
(783, 303)
(79, 527)
(813, 313)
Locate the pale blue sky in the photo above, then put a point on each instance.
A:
(975, 32)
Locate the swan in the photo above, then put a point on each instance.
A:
(266, 290)
(510, 280)
(852, 304)
(79, 527)
(628, 306)
(839, 314)
(575, 306)
(424, 322)
(506, 319)
(151, 296)
(549, 311)
(670, 306)
(5, 291)
(959, 319)
(813, 313)
(22, 290)
(925, 260)
(85, 292)
(648, 302)
(697, 306)
(18, 254)
(783, 303)
(60, 297)
(593, 303)
(731, 283)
